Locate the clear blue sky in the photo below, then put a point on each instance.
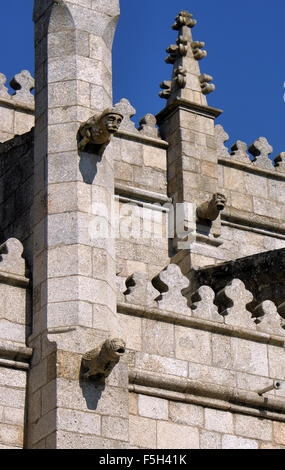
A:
(245, 43)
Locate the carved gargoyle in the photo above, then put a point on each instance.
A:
(99, 363)
(210, 210)
(99, 129)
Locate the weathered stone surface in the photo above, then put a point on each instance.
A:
(140, 290)
(261, 150)
(233, 301)
(203, 305)
(170, 282)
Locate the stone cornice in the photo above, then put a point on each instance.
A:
(199, 323)
(206, 394)
(183, 104)
(252, 168)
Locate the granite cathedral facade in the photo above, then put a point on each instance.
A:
(141, 269)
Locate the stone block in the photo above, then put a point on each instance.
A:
(279, 432)
(176, 436)
(152, 407)
(78, 422)
(275, 359)
(210, 440)
(133, 403)
(115, 428)
(11, 435)
(159, 364)
(234, 442)
(193, 345)
(154, 157)
(186, 414)
(219, 421)
(251, 427)
(133, 324)
(158, 338)
(142, 432)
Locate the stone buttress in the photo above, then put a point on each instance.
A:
(74, 309)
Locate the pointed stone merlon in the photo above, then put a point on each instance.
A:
(147, 126)
(140, 290)
(99, 363)
(268, 319)
(206, 87)
(261, 149)
(99, 129)
(197, 47)
(221, 137)
(184, 18)
(11, 260)
(210, 210)
(170, 283)
(23, 84)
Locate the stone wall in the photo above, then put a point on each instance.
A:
(16, 110)
(15, 320)
(197, 340)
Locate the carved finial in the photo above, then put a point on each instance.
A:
(221, 138)
(210, 210)
(197, 47)
(99, 363)
(147, 126)
(23, 83)
(239, 151)
(170, 282)
(125, 108)
(261, 150)
(233, 301)
(98, 130)
(184, 18)
(268, 319)
(203, 305)
(205, 85)
(140, 290)
(3, 89)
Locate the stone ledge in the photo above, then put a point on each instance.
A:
(201, 324)
(143, 194)
(14, 279)
(209, 395)
(12, 352)
(17, 105)
(144, 139)
(179, 103)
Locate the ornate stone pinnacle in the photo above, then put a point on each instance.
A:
(184, 18)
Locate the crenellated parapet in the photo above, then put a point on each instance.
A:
(187, 81)
(258, 155)
(233, 305)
